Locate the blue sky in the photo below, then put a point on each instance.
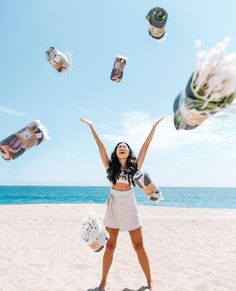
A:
(93, 32)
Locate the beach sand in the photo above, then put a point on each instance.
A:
(189, 249)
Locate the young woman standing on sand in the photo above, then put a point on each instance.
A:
(122, 212)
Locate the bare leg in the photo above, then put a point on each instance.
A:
(108, 255)
(137, 241)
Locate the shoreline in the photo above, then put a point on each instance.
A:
(158, 205)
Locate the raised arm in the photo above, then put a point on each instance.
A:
(146, 144)
(101, 147)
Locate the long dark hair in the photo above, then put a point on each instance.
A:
(113, 171)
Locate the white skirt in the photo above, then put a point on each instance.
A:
(122, 211)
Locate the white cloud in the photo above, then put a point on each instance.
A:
(10, 111)
(213, 134)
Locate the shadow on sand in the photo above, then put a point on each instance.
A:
(143, 288)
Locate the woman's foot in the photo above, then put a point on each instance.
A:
(101, 287)
(149, 286)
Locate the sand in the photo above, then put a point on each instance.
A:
(189, 249)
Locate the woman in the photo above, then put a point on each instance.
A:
(122, 213)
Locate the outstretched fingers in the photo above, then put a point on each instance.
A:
(158, 121)
(88, 122)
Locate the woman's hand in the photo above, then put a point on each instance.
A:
(145, 146)
(88, 122)
(157, 122)
(101, 147)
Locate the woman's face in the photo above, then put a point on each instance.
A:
(122, 151)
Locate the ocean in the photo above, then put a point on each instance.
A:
(173, 196)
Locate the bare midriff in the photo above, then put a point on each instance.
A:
(121, 187)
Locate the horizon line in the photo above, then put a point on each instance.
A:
(17, 185)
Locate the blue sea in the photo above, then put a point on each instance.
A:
(173, 196)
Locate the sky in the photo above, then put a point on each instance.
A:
(93, 32)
